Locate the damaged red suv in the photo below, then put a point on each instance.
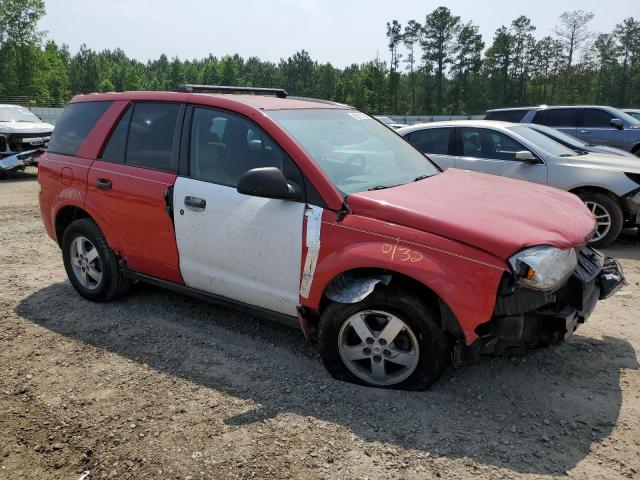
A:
(313, 213)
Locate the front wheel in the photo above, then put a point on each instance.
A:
(91, 265)
(390, 339)
(608, 215)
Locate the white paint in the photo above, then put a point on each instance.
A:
(240, 247)
(314, 223)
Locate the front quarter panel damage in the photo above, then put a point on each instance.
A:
(465, 279)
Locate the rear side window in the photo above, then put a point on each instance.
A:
(558, 117)
(144, 136)
(514, 116)
(74, 125)
(596, 118)
(431, 140)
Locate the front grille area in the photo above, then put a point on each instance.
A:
(20, 142)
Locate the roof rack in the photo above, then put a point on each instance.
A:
(188, 88)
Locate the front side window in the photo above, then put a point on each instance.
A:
(432, 140)
(596, 118)
(77, 120)
(354, 150)
(490, 144)
(225, 146)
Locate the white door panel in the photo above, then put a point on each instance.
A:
(443, 161)
(240, 247)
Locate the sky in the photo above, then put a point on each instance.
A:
(338, 31)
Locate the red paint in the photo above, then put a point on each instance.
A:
(496, 214)
(133, 217)
(465, 278)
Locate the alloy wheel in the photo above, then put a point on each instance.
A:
(86, 263)
(602, 217)
(378, 347)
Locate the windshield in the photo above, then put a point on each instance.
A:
(356, 152)
(560, 136)
(543, 142)
(17, 114)
(625, 116)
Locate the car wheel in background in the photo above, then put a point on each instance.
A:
(91, 265)
(608, 216)
(390, 339)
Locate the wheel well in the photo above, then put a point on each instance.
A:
(636, 149)
(65, 216)
(445, 317)
(588, 189)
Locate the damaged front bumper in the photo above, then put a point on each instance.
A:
(20, 160)
(525, 318)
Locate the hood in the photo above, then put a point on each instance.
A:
(605, 161)
(612, 151)
(496, 214)
(25, 127)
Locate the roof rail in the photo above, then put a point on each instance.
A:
(317, 100)
(188, 88)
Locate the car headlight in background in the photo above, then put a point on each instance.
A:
(543, 267)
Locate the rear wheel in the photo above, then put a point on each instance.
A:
(390, 339)
(91, 265)
(608, 216)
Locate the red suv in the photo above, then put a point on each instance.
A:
(315, 213)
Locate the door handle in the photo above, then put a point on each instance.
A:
(195, 203)
(103, 183)
(584, 131)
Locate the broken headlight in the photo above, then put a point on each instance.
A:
(543, 267)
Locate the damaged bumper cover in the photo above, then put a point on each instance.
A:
(20, 160)
(525, 318)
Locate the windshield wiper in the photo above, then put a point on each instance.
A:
(421, 177)
(379, 187)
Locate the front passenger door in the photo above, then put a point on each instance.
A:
(237, 246)
(494, 152)
(596, 129)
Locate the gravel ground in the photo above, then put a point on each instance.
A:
(158, 385)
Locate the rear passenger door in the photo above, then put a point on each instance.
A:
(436, 143)
(236, 246)
(596, 129)
(128, 187)
(494, 152)
(564, 119)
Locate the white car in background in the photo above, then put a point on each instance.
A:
(23, 136)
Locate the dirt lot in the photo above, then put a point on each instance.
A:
(157, 385)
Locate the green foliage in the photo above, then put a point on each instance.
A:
(440, 66)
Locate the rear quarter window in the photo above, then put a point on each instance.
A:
(514, 116)
(77, 120)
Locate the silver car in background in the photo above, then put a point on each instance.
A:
(608, 184)
(634, 112)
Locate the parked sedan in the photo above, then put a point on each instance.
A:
(576, 144)
(608, 184)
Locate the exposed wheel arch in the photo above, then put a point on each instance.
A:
(64, 218)
(594, 189)
(446, 318)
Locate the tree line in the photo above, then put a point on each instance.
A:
(439, 65)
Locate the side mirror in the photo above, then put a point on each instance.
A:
(267, 182)
(617, 123)
(527, 157)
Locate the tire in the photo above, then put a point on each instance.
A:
(112, 283)
(603, 204)
(384, 305)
